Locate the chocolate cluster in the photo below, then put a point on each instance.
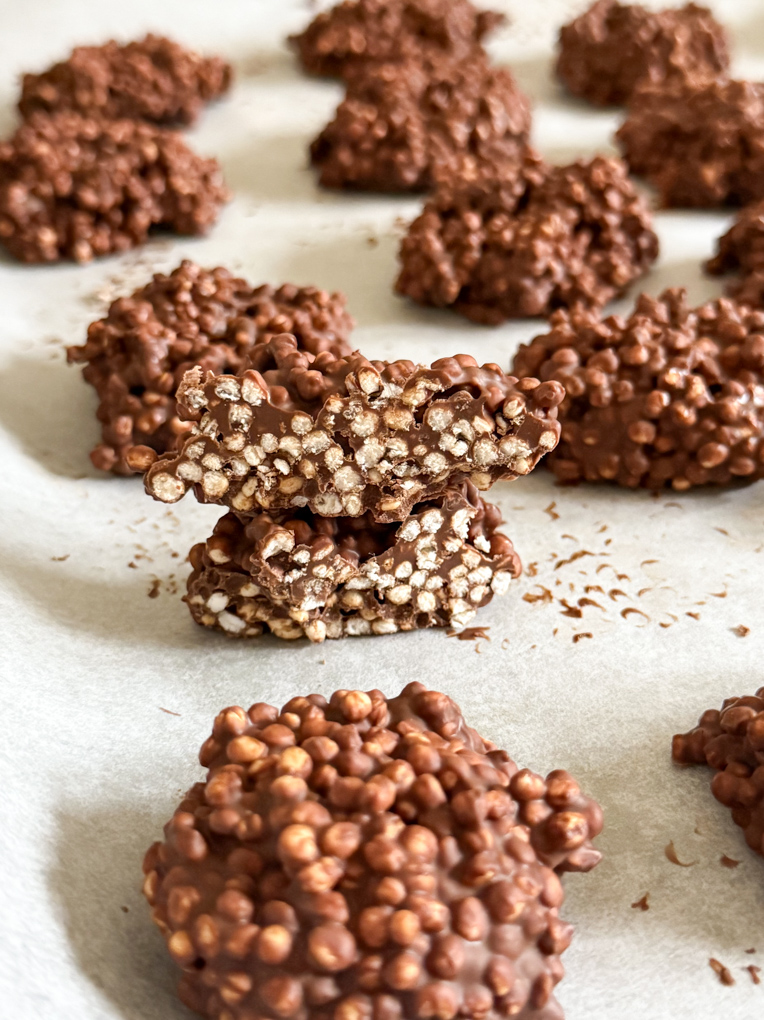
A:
(401, 122)
(343, 435)
(151, 79)
(519, 238)
(741, 250)
(612, 49)
(732, 742)
(298, 575)
(700, 144)
(74, 187)
(367, 858)
(357, 34)
(136, 356)
(668, 396)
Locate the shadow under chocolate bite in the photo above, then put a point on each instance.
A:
(50, 410)
(95, 876)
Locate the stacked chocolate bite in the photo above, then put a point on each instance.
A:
(352, 487)
(368, 858)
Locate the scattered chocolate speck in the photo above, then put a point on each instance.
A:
(568, 610)
(608, 541)
(322, 662)
(544, 595)
(642, 904)
(643, 591)
(629, 610)
(718, 594)
(590, 602)
(167, 711)
(603, 528)
(571, 537)
(615, 592)
(133, 566)
(505, 644)
(728, 862)
(749, 951)
(551, 511)
(470, 634)
(721, 971)
(644, 563)
(594, 587)
(721, 531)
(670, 852)
(741, 630)
(372, 242)
(532, 569)
(125, 910)
(572, 559)
(695, 616)
(60, 559)
(754, 971)
(581, 636)
(154, 589)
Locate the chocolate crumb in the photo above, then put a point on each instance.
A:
(718, 594)
(551, 511)
(133, 566)
(60, 559)
(581, 636)
(642, 904)
(572, 559)
(721, 971)
(125, 910)
(749, 951)
(168, 711)
(544, 595)
(728, 862)
(741, 630)
(532, 569)
(644, 563)
(643, 591)
(629, 610)
(590, 602)
(470, 634)
(695, 616)
(154, 589)
(670, 852)
(721, 531)
(568, 610)
(754, 971)
(615, 592)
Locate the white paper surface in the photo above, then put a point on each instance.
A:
(90, 765)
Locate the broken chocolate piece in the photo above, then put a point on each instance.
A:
(73, 187)
(401, 123)
(699, 144)
(499, 241)
(367, 857)
(612, 49)
(151, 79)
(343, 436)
(301, 575)
(731, 740)
(357, 34)
(669, 396)
(137, 355)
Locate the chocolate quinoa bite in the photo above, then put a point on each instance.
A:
(670, 396)
(151, 79)
(741, 250)
(612, 49)
(298, 575)
(357, 34)
(346, 436)
(400, 122)
(366, 857)
(74, 187)
(732, 742)
(700, 145)
(518, 238)
(136, 356)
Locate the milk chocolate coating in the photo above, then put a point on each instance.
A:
(73, 187)
(741, 250)
(346, 436)
(669, 396)
(300, 575)
(137, 355)
(732, 742)
(151, 79)
(519, 238)
(699, 144)
(612, 49)
(400, 122)
(357, 34)
(367, 858)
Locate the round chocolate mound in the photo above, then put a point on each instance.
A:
(741, 250)
(700, 145)
(669, 396)
(519, 238)
(136, 356)
(366, 859)
(732, 742)
(151, 79)
(73, 187)
(359, 33)
(612, 49)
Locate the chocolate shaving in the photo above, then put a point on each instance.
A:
(167, 711)
(572, 559)
(551, 511)
(470, 634)
(741, 630)
(754, 971)
(581, 636)
(728, 862)
(670, 852)
(544, 595)
(642, 904)
(723, 973)
(154, 589)
(629, 610)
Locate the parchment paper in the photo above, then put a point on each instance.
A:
(107, 694)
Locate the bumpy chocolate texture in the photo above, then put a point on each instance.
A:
(137, 355)
(741, 250)
(669, 396)
(301, 575)
(498, 241)
(400, 122)
(366, 859)
(343, 436)
(150, 79)
(73, 187)
(612, 49)
(699, 145)
(732, 742)
(360, 33)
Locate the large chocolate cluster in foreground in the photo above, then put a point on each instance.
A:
(366, 859)
(732, 742)
(669, 396)
(137, 355)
